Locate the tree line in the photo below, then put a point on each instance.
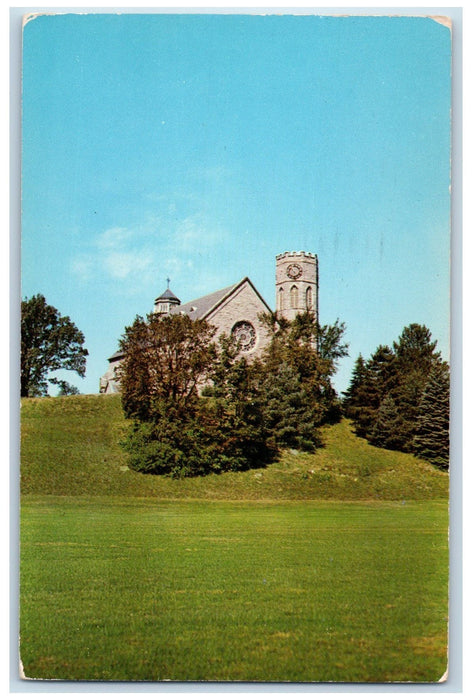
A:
(399, 397)
(197, 405)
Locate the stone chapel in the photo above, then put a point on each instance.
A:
(235, 310)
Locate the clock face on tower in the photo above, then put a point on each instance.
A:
(294, 271)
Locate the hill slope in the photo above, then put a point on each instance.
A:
(71, 446)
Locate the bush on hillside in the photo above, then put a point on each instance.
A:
(210, 440)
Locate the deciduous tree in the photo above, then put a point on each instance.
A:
(165, 361)
(49, 342)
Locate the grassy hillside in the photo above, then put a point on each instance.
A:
(71, 447)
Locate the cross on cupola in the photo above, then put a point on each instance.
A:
(165, 303)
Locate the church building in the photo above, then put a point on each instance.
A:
(235, 310)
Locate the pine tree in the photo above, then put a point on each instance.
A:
(415, 356)
(385, 393)
(360, 399)
(357, 381)
(389, 427)
(370, 384)
(312, 352)
(431, 441)
(415, 349)
(384, 373)
(290, 416)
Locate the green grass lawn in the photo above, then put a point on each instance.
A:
(143, 590)
(323, 567)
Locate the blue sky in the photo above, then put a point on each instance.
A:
(198, 147)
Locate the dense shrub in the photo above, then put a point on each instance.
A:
(207, 440)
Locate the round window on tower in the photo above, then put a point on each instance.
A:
(244, 334)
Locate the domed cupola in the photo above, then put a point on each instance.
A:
(166, 302)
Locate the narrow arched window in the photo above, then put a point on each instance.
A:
(309, 298)
(280, 299)
(294, 297)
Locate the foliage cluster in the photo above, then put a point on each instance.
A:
(49, 342)
(197, 405)
(399, 397)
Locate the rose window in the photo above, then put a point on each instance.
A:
(244, 334)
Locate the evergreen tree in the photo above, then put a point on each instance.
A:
(371, 383)
(382, 378)
(389, 427)
(312, 353)
(415, 349)
(431, 440)
(360, 400)
(385, 393)
(415, 356)
(290, 417)
(383, 371)
(358, 379)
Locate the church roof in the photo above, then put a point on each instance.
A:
(202, 307)
(199, 308)
(118, 355)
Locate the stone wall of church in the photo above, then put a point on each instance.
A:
(109, 383)
(244, 305)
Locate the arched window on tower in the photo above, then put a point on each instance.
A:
(294, 297)
(280, 299)
(309, 298)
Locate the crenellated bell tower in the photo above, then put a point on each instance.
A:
(296, 284)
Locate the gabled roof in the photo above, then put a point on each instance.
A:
(202, 307)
